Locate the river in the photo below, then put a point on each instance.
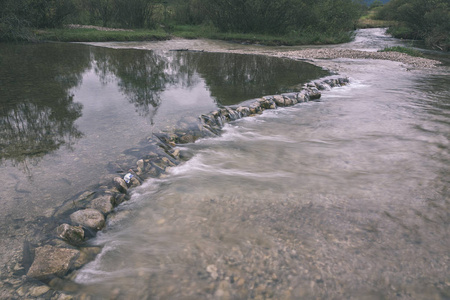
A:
(344, 198)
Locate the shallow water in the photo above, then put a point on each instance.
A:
(73, 116)
(346, 198)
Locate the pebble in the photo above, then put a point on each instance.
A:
(333, 53)
(212, 270)
(39, 290)
(21, 291)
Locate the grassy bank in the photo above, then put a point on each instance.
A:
(94, 35)
(409, 51)
(189, 32)
(369, 20)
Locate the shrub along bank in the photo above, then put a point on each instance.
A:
(427, 20)
(268, 21)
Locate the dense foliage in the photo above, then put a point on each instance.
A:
(279, 17)
(428, 20)
(243, 16)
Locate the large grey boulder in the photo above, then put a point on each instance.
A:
(89, 217)
(72, 234)
(50, 261)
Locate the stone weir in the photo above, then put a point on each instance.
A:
(55, 261)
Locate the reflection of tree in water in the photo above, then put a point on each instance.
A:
(37, 114)
(143, 75)
(233, 78)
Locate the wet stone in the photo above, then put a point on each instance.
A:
(140, 166)
(212, 270)
(89, 217)
(39, 290)
(314, 94)
(87, 254)
(105, 204)
(134, 182)
(120, 184)
(279, 100)
(52, 261)
(72, 234)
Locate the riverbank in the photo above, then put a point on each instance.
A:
(336, 53)
(88, 33)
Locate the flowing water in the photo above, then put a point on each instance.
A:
(345, 198)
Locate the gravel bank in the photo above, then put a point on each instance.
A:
(334, 53)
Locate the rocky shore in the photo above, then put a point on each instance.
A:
(54, 262)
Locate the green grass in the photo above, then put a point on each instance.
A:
(405, 50)
(190, 32)
(94, 35)
(293, 38)
(369, 20)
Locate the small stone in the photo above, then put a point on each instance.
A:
(39, 290)
(212, 270)
(72, 234)
(240, 282)
(120, 184)
(176, 153)
(65, 297)
(140, 164)
(279, 100)
(120, 198)
(52, 261)
(17, 267)
(21, 291)
(134, 182)
(89, 217)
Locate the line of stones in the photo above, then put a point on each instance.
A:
(53, 261)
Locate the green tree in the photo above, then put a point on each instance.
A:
(279, 17)
(134, 13)
(428, 20)
(49, 14)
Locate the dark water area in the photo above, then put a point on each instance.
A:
(72, 116)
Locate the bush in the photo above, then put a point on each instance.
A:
(280, 17)
(428, 20)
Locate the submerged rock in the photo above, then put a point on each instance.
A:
(51, 261)
(86, 255)
(39, 290)
(72, 234)
(89, 217)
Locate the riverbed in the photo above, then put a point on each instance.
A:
(344, 198)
